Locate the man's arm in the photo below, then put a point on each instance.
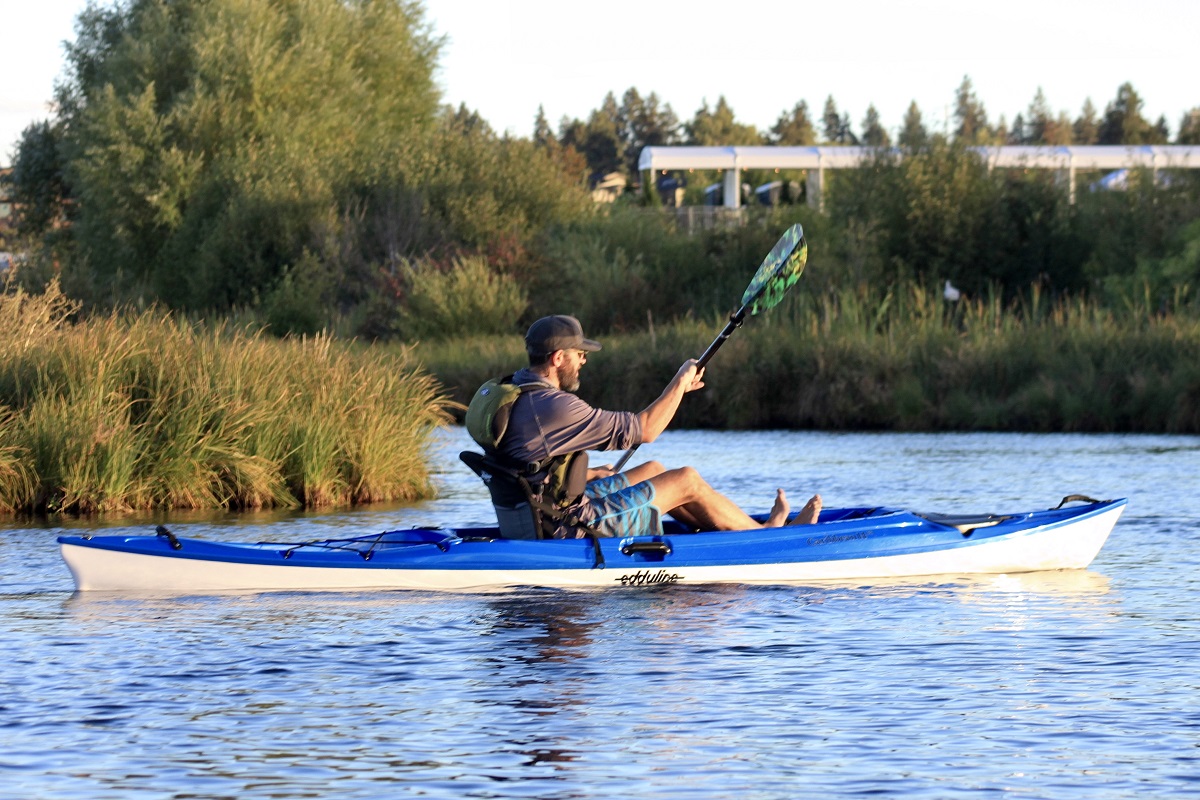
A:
(658, 415)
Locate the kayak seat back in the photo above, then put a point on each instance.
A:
(518, 513)
(965, 523)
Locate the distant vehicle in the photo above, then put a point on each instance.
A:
(1118, 181)
(776, 192)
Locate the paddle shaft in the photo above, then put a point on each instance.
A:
(735, 322)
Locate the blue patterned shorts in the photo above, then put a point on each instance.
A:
(622, 510)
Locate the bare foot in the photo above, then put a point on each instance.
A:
(808, 515)
(779, 511)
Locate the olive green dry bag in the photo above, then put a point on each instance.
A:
(489, 410)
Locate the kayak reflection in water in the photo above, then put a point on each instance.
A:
(548, 421)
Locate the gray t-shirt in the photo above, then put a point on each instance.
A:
(549, 422)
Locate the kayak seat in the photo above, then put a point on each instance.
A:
(519, 514)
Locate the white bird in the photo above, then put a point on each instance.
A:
(950, 293)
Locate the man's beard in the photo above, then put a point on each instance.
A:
(568, 377)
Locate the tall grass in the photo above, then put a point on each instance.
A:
(147, 411)
(900, 359)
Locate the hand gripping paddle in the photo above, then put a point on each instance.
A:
(778, 272)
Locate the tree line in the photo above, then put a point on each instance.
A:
(294, 161)
(613, 135)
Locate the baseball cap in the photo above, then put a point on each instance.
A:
(559, 332)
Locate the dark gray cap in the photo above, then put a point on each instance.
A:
(560, 332)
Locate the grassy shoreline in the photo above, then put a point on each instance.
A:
(903, 360)
(144, 412)
(148, 412)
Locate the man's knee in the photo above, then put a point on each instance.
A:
(690, 480)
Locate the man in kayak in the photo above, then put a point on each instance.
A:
(548, 420)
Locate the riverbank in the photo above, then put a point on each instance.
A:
(147, 411)
(900, 361)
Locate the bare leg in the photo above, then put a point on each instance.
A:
(685, 515)
(651, 469)
(809, 514)
(695, 517)
(683, 493)
(644, 472)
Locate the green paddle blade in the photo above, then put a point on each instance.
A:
(779, 272)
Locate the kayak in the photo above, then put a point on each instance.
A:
(844, 544)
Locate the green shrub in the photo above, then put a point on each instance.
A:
(299, 303)
(466, 297)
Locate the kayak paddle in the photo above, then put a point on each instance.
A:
(778, 272)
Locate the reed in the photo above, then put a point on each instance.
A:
(899, 358)
(148, 411)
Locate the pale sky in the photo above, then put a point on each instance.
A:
(505, 57)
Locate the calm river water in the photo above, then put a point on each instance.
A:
(1056, 685)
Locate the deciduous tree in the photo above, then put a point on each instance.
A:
(210, 144)
(39, 185)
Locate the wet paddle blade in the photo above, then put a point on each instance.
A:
(779, 271)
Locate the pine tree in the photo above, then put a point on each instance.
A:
(999, 134)
(1189, 127)
(846, 131)
(1161, 133)
(542, 135)
(719, 127)
(831, 121)
(913, 134)
(572, 132)
(1018, 135)
(794, 128)
(645, 123)
(970, 116)
(604, 147)
(1123, 122)
(1086, 128)
(874, 134)
(1038, 122)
